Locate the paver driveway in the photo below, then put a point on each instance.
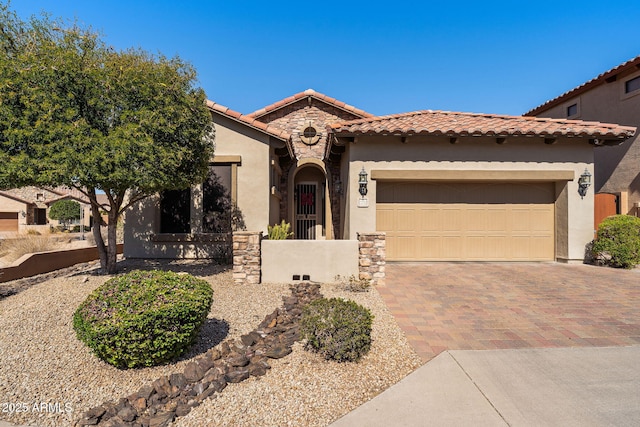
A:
(458, 306)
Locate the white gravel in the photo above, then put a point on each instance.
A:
(51, 377)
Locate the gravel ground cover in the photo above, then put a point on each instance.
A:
(48, 377)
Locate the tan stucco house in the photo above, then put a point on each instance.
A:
(614, 97)
(441, 185)
(26, 208)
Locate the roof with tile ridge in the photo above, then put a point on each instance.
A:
(249, 121)
(430, 122)
(309, 93)
(630, 64)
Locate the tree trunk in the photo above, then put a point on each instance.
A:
(97, 235)
(112, 252)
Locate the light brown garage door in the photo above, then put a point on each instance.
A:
(9, 221)
(467, 221)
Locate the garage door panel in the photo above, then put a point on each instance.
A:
(9, 222)
(458, 221)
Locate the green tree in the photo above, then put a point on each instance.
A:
(65, 211)
(75, 112)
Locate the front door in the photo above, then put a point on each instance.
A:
(306, 210)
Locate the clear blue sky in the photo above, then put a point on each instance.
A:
(383, 57)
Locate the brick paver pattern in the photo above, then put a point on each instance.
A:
(477, 306)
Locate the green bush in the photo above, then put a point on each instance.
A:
(618, 241)
(336, 328)
(279, 231)
(143, 318)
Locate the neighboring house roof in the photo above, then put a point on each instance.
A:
(16, 198)
(428, 122)
(66, 197)
(249, 121)
(607, 76)
(313, 94)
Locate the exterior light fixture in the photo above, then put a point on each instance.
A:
(584, 182)
(362, 180)
(23, 214)
(338, 186)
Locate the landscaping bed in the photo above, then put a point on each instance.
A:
(43, 362)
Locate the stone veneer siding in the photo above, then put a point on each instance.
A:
(295, 118)
(372, 257)
(246, 257)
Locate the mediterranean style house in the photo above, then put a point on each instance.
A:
(27, 208)
(614, 97)
(441, 185)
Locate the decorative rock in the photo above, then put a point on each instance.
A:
(193, 372)
(127, 413)
(257, 370)
(237, 376)
(182, 410)
(278, 352)
(177, 380)
(161, 420)
(238, 360)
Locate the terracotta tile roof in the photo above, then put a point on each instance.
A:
(67, 197)
(249, 121)
(312, 93)
(630, 64)
(14, 197)
(428, 122)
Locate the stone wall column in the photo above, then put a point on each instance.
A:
(246, 257)
(372, 257)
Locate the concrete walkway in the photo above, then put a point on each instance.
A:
(592, 386)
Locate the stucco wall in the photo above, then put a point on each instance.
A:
(616, 168)
(478, 154)
(253, 199)
(322, 260)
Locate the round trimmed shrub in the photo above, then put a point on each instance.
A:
(336, 328)
(618, 241)
(143, 318)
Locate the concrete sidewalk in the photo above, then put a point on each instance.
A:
(592, 386)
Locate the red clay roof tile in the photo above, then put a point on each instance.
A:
(312, 93)
(428, 122)
(249, 121)
(632, 63)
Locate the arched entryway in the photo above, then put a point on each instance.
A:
(309, 208)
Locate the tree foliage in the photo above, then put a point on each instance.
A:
(65, 211)
(75, 112)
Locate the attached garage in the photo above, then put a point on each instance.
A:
(467, 221)
(9, 222)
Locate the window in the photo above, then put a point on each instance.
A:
(40, 197)
(214, 203)
(572, 110)
(175, 211)
(632, 85)
(217, 207)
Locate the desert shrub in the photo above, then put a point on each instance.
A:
(33, 232)
(618, 241)
(336, 328)
(279, 231)
(354, 284)
(143, 318)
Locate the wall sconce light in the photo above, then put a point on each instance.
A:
(362, 180)
(338, 186)
(584, 182)
(23, 214)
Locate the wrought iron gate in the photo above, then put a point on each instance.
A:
(306, 211)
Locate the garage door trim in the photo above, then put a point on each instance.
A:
(472, 175)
